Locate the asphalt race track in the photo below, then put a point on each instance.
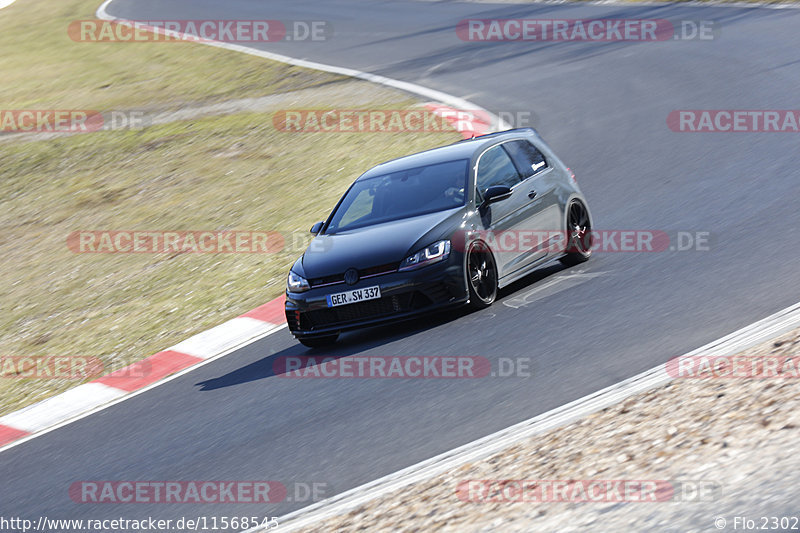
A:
(603, 108)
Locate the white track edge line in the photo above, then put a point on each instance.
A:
(746, 337)
(444, 98)
(129, 395)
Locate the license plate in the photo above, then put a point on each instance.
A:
(356, 295)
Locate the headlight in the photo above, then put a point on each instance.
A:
(432, 254)
(297, 283)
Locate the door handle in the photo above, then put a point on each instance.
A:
(532, 195)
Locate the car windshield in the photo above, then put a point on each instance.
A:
(402, 194)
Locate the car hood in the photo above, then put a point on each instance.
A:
(381, 244)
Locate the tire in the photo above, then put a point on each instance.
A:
(579, 235)
(481, 273)
(320, 341)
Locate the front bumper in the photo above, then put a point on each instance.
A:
(403, 295)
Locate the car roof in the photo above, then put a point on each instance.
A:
(463, 149)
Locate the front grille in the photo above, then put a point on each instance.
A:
(378, 270)
(327, 280)
(358, 311)
(438, 292)
(362, 273)
(344, 314)
(432, 294)
(293, 319)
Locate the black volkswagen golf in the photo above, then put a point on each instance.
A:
(444, 227)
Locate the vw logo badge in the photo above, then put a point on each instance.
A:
(351, 276)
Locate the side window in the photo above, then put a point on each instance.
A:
(495, 168)
(526, 157)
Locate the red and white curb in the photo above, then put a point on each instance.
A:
(159, 368)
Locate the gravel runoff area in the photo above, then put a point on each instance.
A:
(716, 454)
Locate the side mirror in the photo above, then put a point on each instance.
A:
(315, 229)
(496, 193)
